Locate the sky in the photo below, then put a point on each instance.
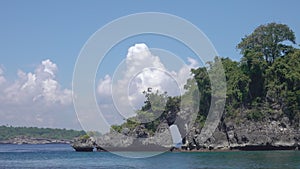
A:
(41, 41)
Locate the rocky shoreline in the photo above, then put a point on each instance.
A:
(270, 134)
(31, 140)
(273, 133)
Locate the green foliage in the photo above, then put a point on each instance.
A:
(93, 133)
(131, 123)
(268, 75)
(116, 128)
(205, 77)
(273, 69)
(12, 132)
(188, 101)
(284, 84)
(158, 107)
(255, 115)
(237, 83)
(200, 120)
(269, 40)
(155, 102)
(84, 137)
(154, 109)
(204, 88)
(253, 66)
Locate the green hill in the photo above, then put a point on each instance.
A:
(8, 132)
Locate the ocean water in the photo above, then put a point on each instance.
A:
(64, 157)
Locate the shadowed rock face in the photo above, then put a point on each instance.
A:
(250, 135)
(272, 133)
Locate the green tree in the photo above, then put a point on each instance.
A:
(253, 65)
(237, 83)
(273, 69)
(158, 107)
(284, 84)
(204, 88)
(211, 87)
(269, 40)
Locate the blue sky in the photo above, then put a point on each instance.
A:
(34, 31)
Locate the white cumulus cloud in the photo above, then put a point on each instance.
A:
(38, 86)
(104, 86)
(36, 98)
(139, 71)
(2, 78)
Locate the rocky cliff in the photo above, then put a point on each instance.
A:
(138, 139)
(271, 133)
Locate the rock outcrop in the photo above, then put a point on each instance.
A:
(138, 139)
(269, 134)
(162, 137)
(86, 144)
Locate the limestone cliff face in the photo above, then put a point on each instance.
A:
(271, 133)
(268, 134)
(137, 139)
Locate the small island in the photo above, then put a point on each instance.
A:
(262, 107)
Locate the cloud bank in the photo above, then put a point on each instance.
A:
(36, 99)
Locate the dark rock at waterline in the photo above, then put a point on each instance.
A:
(83, 144)
(136, 146)
(83, 149)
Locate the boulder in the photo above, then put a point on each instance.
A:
(83, 144)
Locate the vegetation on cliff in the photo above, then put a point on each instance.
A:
(158, 107)
(265, 81)
(266, 78)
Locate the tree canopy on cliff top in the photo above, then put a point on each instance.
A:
(266, 80)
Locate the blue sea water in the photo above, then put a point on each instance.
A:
(63, 156)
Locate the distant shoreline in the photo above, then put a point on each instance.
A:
(31, 140)
(35, 135)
